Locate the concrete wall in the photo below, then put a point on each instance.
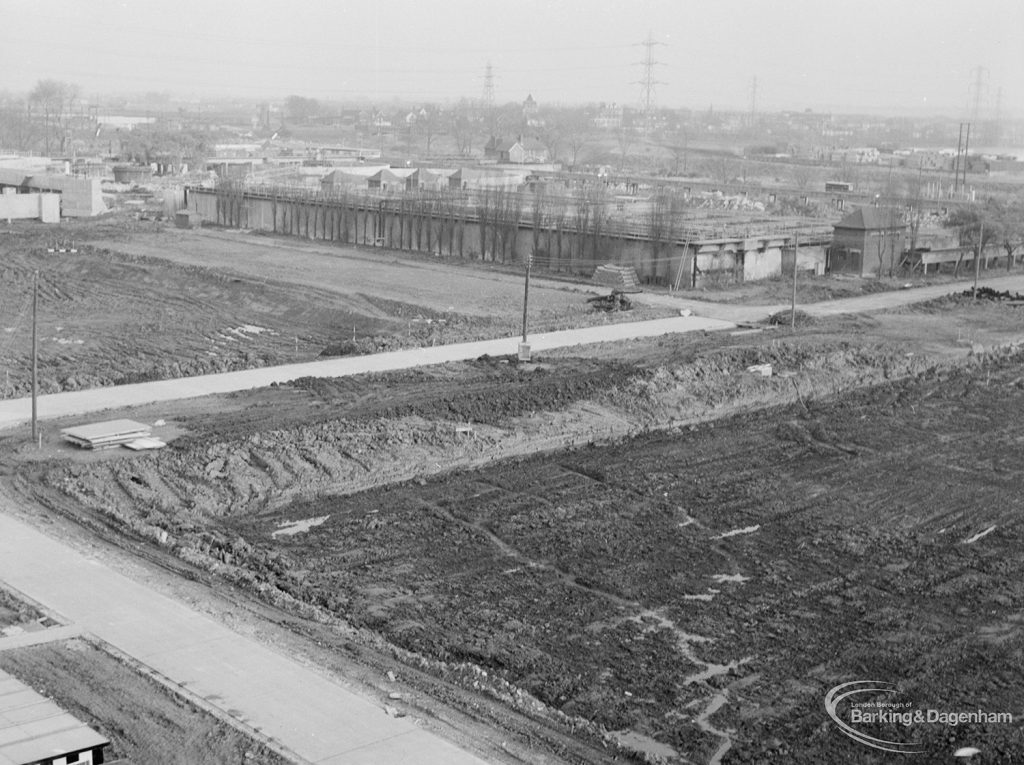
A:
(45, 207)
(79, 197)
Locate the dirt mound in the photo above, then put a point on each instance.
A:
(987, 293)
(786, 319)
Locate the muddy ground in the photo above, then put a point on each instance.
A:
(143, 720)
(139, 302)
(643, 549)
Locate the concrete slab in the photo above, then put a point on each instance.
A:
(306, 711)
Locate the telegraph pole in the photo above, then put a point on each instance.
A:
(35, 354)
(977, 258)
(526, 300)
(967, 146)
(524, 345)
(792, 311)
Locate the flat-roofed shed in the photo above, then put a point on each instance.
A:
(35, 731)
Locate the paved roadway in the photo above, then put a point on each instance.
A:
(878, 301)
(17, 411)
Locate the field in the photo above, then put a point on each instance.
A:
(141, 304)
(639, 551)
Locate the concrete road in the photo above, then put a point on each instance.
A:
(17, 411)
(739, 312)
(299, 707)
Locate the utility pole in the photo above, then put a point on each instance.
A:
(35, 354)
(967, 146)
(977, 258)
(753, 101)
(796, 249)
(524, 347)
(956, 161)
(488, 95)
(977, 91)
(487, 101)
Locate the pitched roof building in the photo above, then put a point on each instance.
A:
(867, 242)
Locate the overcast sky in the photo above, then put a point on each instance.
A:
(882, 55)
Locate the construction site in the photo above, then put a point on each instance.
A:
(611, 401)
(661, 549)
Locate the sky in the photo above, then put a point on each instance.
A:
(882, 56)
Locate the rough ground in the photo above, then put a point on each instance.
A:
(15, 612)
(135, 304)
(144, 721)
(715, 552)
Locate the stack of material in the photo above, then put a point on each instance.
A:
(619, 278)
(106, 435)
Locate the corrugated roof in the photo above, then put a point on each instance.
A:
(33, 728)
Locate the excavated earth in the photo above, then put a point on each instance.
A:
(645, 549)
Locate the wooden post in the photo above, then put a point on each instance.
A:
(35, 354)
(526, 291)
(977, 257)
(796, 248)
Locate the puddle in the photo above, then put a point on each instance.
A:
(702, 720)
(250, 329)
(713, 670)
(735, 532)
(291, 528)
(731, 578)
(638, 742)
(979, 535)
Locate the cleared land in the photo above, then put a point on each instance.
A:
(637, 550)
(149, 305)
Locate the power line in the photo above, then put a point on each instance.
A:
(753, 100)
(976, 91)
(488, 96)
(647, 82)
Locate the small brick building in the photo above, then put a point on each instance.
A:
(867, 242)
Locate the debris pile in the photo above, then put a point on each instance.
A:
(616, 301)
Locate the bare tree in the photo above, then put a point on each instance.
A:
(625, 137)
(54, 100)
(678, 145)
(426, 124)
(576, 130)
(16, 128)
(462, 127)
(1009, 227)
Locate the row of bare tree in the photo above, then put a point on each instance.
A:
(566, 232)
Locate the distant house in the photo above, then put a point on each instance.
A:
(468, 178)
(351, 177)
(867, 242)
(518, 151)
(609, 117)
